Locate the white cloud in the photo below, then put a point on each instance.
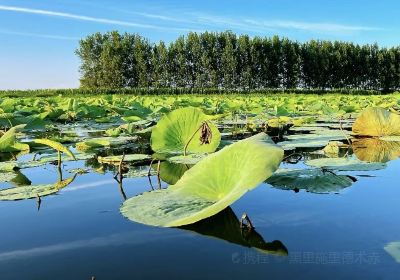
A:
(308, 26)
(86, 18)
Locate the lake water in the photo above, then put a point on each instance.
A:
(79, 233)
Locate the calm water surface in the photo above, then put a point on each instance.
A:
(79, 233)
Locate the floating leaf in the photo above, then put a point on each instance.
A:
(377, 122)
(56, 146)
(103, 142)
(33, 191)
(345, 164)
(311, 180)
(180, 127)
(210, 186)
(7, 176)
(127, 158)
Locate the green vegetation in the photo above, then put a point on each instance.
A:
(230, 62)
(209, 148)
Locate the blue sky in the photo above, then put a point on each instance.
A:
(38, 37)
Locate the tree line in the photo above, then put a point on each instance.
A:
(226, 61)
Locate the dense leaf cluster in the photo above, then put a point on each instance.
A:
(227, 61)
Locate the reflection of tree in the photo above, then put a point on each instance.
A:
(225, 225)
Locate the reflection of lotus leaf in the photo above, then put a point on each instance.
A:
(375, 150)
(177, 128)
(393, 248)
(208, 187)
(345, 164)
(226, 226)
(312, 180)
(377, 122)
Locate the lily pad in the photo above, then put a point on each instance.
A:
(33, 191)
(127, 158)
(180, 127)
(210, 186)
(103, 142)
(311, 180)
(7, 176)
(377, 122)
(345, 164)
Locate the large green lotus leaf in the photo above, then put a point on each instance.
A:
(8, 141)
(345, 164)
(210, 186)
(377, 122)
(393, 249)
(226, 226)
(33, 191)
(376, 150)
(311, 180)
(175, 129)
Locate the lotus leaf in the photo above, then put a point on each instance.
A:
(210, 186)
(377, 122)
(311, 180)
(182, 127)
(33, 191)
(345, 164)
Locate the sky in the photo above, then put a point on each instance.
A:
(38, 37)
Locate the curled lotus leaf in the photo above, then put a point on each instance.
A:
(208, 187)
(56, 146)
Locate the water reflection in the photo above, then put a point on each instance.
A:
(226, 226)
(375, 150)
(393, 249)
